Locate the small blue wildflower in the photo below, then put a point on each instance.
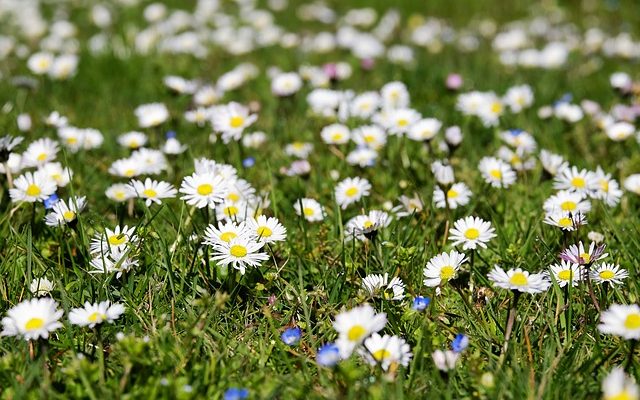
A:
(248, 162)
(50, 201)
(171, 134)
(291, 336)
(236, 394)
(515, 132)
(328, 355)
(421, 303)
(460, 343)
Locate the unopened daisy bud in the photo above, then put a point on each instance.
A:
(24, 122)
(334, 174)
(453, 135)
(442, 172)
(445, 360)
(41, 287)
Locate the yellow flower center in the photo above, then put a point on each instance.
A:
(230, 211)
(34, 323)
(624, 395)
(568, 205)
(150, 193)
(97, 317)
(367, 224)
(604, 185)
(69, 215)
(369, 138)
(578, 182)
(33, 190)
(117, 240)
(403, 122)
(227, 236)
(518, 279)
(496, 173)
(119, 195)
(452, 194)
(264, 231)
(381, 354)
(233, 197)
(204, 189)
(586, 257)
(606, 274)
(496, 107)
(238, 251)
(632, 321)
(447, 272)
(565, 275)
(565, 222)
(352, 191)
(236, 122)
(472, 234)
(298, 145)
(356, 333)
(337, 136)
(308, 211)
(129, 173)
(42, 156)
(134, 144)
(71, 140)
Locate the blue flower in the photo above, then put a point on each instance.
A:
(50, 201)
(236, 394)
(328, 355)
(171, 134)
(515, 132)
(460, 343)
(291, 336)
(420, 303)
(248, 162)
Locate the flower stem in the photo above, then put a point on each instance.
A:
(511, 319)
(632, 348)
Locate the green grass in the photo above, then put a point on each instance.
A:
(185, 326)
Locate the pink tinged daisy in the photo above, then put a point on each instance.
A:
(519, 280)
(65, 212)
(567, 201)
(152, 191)
(32, 187)
(266, 229)
(579, 255)
(32, 319)
(564, 220)
(619, 386)
(496, 172)
(387, 351)
(574, 180)
(471, 232)
(566, 273)
(240, 252)
(457, 195)
(203, 190)
(351, 190)
(355, 325)
(442, 268)
(609, 273)
(94, 314)
(621, 320)
(310, 209)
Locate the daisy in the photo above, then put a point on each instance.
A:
(65, 213)
(442, 268)
(411, 205)
(365, 104)
(239, 190)
(266, 229)
(567, 221)
(619, 386)
(355, 325)
(552, 163)
(113, 240)
(153, 161)
(574, 180)
(518, 159)
(94, 314)
(573, 202)
(54, 170)
(621, 320)
(231, 120)
(119, 192)
(150, 115)
(40, 152)
(496, 172)
(471, 232)
(310, 209)
(199, 116)
(32, 319)
(518, 98)
(401, 120)
(366, 226)
(620, 131)
(577, 253)
(40, 63)
(132, 139)
(298, 149)
(351, 190)
(520, 140)
(371, 136)
(41, 287)
(458, 195)
(173, 146)
(424, 129)
(608, 189)
(632, 183)
(362, 157)
(566, 272)
(445, 360)
(443, 172)
(375, 284)
(394, 95)
(126, 168)
(335, 134)
(152, 191)
(117, 261)
(286, 84)
(32, 187)
(517, 279)
(386, 350)
(224, 233)
(203, 190)
(7, 144)
(609, 273)
(234, 210)
(240, 252)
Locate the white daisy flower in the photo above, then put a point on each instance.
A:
(609, 273)
(40, 63)
(573, 202)
(471, 232)
(424, 129)
(32, 187)
(266, 229)
(632, 183)
(363, 227)
(286, 84)
(394, 95)
(40, 152)
(64, 213)
(151, 115)
(443, 172)
(94, 314)
(375, 284)
(152, 191)
(608, 189)
(41, 287)
(203, 190)
(54, 170)
(520, 140)
(365, 104)
(119, 192)
(117, 261)
(351, 190)
(310, 209)
(517, 279)
(401, 120)
(335, 134)
(234, 210)
(362, 157)
(386, 350)
(619, 386)
(153, 161)
(32, 319)
(355, 325)
(231, 120)
(574, 180)
(496, 172)
(442, 268)
(371, 136)
(132, 140)
(565, 220)
(240, 252)
(298, 149)
(445, 360)
(620, 131)
(458, 195)
(224, 233)
(621, 320)
(579, 255)
(552, 163)
(566, 272)
(126, 168)
(518, 98)
(113, 240)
